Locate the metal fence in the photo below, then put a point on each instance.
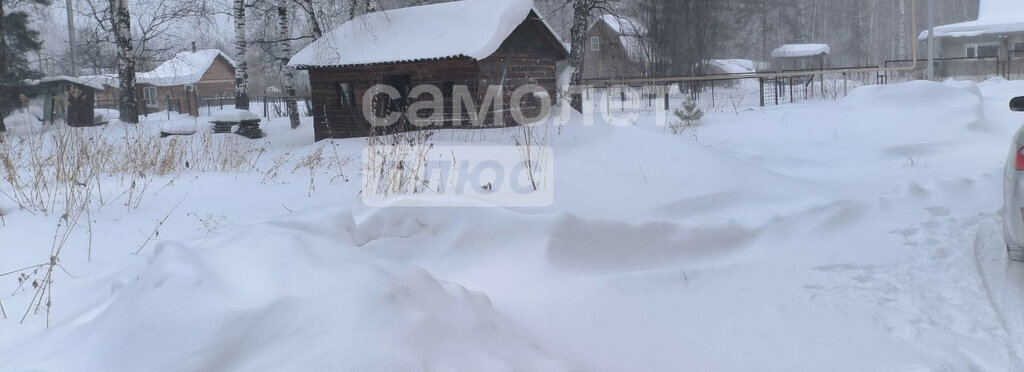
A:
(1010, 67)
(731, 92)
(268, 106)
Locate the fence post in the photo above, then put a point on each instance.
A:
(712, 94)
(221, 100)
(760, 89)
(668, 89)
(791, 98)
(846, 85)
(168, 107)
(266, 110)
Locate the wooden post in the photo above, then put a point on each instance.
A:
(266, 109)
(168, 107)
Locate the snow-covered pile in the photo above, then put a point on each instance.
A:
(800, 50)
(234, 116)
(184, 68)
(734, 66)
(467, 28)
(21, 122)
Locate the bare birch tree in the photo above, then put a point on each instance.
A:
(314, 24)
(241, 72)
(122, 26)
(286, 52)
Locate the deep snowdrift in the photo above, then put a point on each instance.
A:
(291, 294)
(854, 235)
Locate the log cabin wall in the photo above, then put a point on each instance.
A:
(528, 56)
(335, 118)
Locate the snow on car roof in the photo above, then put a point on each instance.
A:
(800, 50)
(994, 17)
(184, 68)
(467, 28)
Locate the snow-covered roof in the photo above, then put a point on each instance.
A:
(184, 68)
(69, 79)
(467, 28)
(630, 32)
(734, 66)
(800, 50)
(994, 17)
(110, 80)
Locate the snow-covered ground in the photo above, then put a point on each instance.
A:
(858, 235)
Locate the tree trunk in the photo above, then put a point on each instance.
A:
(289, 75)
(128, 100)
(581, 14)
(3, 47)
(314, 24)
(241, 73)
(71, 37)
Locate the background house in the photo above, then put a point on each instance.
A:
(208, 73)
(181, 79)
(800, 57)
(108, 96)
(471, 43)
(614, 49)
(997, 35)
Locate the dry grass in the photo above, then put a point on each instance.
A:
(70, 172)
(51, 172)
(394, 164)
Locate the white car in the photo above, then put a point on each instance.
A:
(1013, 192)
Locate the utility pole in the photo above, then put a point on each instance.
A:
(71, 38)
(931, 39)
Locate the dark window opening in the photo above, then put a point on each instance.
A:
(345, 96)
(401, 84)
(448, 89)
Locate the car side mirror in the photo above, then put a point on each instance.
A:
(1017, 104)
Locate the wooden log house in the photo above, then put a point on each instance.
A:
(475, 44)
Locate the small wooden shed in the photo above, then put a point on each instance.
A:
(470, 44)
(69, 99)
